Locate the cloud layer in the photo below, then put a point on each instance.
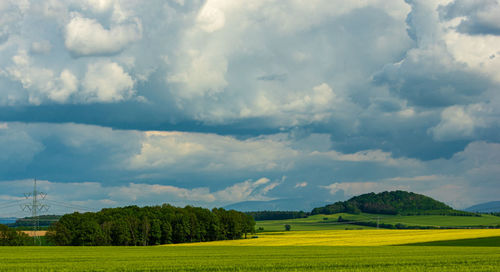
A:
(206, 100)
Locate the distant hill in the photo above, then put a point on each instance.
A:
(395, 202)
(7, 220)
(44, 221)
(487, 207)
(296, 204)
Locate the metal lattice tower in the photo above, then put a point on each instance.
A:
(35, 207)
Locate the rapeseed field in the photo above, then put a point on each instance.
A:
(381, 237)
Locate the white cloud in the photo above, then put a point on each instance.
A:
(459, 122)
(200, 73)
(100, 5)
(301, 184)
(65, 197)
(210, 152)
(40, 83)
(87, 37)
(357, 188)
(107, 82)
(211, 18)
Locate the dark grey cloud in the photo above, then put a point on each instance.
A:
(481, 17)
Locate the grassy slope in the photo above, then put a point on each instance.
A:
(317, 222)
(208, 258)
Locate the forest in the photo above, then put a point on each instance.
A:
(143, 226)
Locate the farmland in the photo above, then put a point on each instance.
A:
(328, 222)
(380, 237)
(341, 250)
(209, 258)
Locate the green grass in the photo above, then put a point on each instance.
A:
(315, 222)
(476, 242)
(318, 222)
(429, 220)
(208, 258)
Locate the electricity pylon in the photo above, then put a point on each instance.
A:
(35, 207)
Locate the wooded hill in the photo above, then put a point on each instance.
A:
(395, 202)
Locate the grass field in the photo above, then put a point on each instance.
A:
(207, 258)
(318, 222)
(341, 250)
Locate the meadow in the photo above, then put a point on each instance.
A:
(329, 222)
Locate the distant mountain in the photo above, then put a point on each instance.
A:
(296, 204)
(396, 202)
(487, 207)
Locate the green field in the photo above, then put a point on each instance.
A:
(318, 222)
(484, 242)
(206, 258)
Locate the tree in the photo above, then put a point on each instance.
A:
(288, 227)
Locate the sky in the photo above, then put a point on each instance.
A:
(209, 103)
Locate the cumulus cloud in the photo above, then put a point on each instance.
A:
(41, 84)
(107, 82)
(87, 37)
(455, 124)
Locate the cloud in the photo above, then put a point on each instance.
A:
(301, 184)
(210, 152)
(91, 196)
(477, 17)
(210, 18)
(357, 188)
(41, 84)
(455, 124)
(18, 149)
(107, 82)
(41, 47)
(210, 94)
(87, 37)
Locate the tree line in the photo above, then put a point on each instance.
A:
(142, 226)
(277, 215)
(13, 237)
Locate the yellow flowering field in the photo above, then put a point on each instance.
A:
(353, 237)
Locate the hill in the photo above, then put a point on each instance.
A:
(487, 207)
(44, 221)
(395, 202)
